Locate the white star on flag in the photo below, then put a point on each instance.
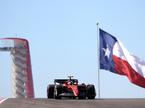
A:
(107, 51)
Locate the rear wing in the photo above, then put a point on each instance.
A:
(62, 81)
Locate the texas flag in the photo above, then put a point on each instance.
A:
(115, 57)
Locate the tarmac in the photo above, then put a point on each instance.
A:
(70, 103)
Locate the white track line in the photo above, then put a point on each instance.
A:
(2, 100)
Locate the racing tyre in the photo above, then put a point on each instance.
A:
(58, 91)
(82, 92)
(91, 93)
(50, 91)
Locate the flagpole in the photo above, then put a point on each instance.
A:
(98, 59)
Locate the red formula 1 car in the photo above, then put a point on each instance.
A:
(71, 89)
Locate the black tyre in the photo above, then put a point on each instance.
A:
(91, 97)
(58, 91)
(50, 91)
(91, 93)
(82, 97)
(82, 92)
(57, 97)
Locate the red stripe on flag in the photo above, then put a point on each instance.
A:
(122, 67)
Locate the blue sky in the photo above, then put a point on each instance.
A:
(63, 40)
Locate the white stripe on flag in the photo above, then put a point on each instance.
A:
(137, 64)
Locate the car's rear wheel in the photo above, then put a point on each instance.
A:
(91, 93)
(50, 91)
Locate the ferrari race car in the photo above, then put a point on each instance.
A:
(71, 89)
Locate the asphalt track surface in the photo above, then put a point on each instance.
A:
(51, 103)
